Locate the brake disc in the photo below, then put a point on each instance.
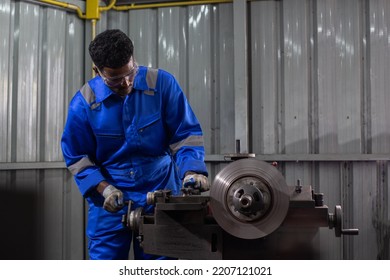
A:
(249, 198)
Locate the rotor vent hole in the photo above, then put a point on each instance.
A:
(239, 193)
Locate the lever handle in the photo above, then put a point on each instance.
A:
(351, 231)
(335, 221)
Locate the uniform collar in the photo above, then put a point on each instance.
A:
(102, 91)
(140, 79)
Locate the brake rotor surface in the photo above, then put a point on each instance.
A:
(244, 174)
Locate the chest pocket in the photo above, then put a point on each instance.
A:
(152, 136)
(108, 141)
(150, 128)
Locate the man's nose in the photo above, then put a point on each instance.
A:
(125, 82)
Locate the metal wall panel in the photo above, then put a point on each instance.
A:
(41, 58)
(323, 100)
(317, 91)
(365, 211)
(379, 125)
(338, 97)
(25, 98)
(144, 26)
(379, 59)
(5, 68)
(266, 78)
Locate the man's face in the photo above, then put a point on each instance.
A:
(120, 80)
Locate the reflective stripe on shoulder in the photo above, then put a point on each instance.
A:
(151, 80)
(89, 96)
(80, 165)
(194, 140)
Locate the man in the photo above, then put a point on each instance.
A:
(129, 131)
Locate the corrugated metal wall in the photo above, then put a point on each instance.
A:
(41, 58)
(316, 103)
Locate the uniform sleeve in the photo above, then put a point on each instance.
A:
(186, 137)
(78, 146)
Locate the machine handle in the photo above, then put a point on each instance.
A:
(351, 231)
(335, 221)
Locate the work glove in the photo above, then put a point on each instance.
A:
(113, 199)
(196, 181)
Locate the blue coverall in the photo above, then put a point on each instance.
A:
(141, 143)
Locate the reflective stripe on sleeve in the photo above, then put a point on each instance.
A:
(194, 140)
(89, 96)
(151, 80)
(80, 165)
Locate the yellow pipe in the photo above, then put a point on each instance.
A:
(93, 28)
(102, 9)
(93, 23)
(92, 9)
(67, 6)
(96, 15)
(169, 4)
(133, 6)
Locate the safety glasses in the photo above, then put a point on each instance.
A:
(119, 80)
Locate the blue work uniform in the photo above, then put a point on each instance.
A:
(141, 143)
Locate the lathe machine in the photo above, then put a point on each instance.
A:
(250, 213)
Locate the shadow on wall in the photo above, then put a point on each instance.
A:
(18, 225)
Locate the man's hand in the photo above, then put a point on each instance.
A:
(196, 181)
(113, 199)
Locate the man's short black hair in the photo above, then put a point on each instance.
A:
(111, 48)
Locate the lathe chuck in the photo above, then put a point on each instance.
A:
(249, 198)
